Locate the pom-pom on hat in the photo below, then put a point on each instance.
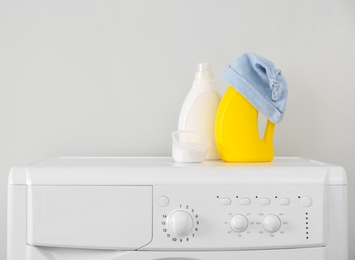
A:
(257, 79)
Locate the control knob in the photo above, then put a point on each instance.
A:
(180, 223)
(271, 223)
(239, 223)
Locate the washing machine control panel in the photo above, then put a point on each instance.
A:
(238, 217)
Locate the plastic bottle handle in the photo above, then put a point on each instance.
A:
(269, 132)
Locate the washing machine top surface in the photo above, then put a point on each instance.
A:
(164, 171)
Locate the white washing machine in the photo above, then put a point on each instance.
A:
(153, 208)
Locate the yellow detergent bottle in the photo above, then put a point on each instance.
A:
(236, 131)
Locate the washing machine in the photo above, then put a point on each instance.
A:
(109, 208)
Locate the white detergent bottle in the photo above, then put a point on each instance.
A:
(198, 112)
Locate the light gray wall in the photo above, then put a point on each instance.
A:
(91, 77)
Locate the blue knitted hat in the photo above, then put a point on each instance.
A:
(257, 79)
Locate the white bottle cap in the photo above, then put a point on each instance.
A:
(204, 71)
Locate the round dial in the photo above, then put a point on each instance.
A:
(239, 223)
(180, 223)
(272, 223)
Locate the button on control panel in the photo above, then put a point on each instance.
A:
(226, 201)
(284, 201)
(306, 201)
(245, 201)
(238, 217)
(163, 201)
(264, 201)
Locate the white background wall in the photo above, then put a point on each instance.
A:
(91, 77)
